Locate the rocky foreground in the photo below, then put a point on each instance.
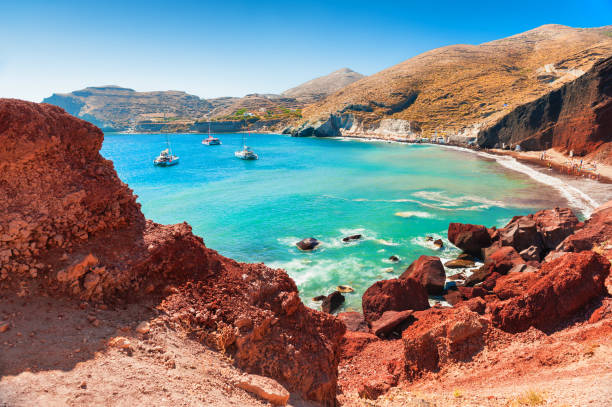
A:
(74, 246)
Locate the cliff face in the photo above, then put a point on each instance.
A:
(453, 88)
(69, 227)
(576, 117)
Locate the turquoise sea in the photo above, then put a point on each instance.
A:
(254, 211)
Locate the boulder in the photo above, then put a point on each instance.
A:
(393, 295)
(429, 271)
(466, 256)
(394, 258)
(264, 387)
(332, 302)
(503, 259)
(563, 286)
(469, 238)
(391, 322)
(479, 275)
(532, 253)
(351, 238)
(442, 335)
(471, 292)
(453, 297)
(489, 283)
(459, 263)
(308, 244)
(521, 233)
(458, 276)
(476, 304)
(438, 243)
(595, 233)
(554, 225)
(354, 321)
(514, 284)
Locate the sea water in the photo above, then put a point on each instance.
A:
(394, 195)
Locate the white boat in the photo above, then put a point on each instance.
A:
(166, 158)
(246, 153)
(211, 141)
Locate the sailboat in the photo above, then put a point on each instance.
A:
(246, 153)
(211, 141)
(166, 158)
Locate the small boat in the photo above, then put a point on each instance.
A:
(246, 153)
(211, 141)
(166, 158)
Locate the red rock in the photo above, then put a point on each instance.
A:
(514, 284)
(374, 388)
(354, 321)
(563, 287)
(265, 388)
(476, 304)
(596, 232)
(469, 238)
(489, 282)
(532, 253)
(471, 292)
(354, 342)
(393, 295)
(453, 297)
(503, 259)
(442, 335)
(604, 311)
(391, 322)
(521, 233)
(429, 271)
(554, 225)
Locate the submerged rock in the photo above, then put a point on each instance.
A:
(394, 258)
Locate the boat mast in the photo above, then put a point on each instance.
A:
(168, 144)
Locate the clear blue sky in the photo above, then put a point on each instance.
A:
(231, 48)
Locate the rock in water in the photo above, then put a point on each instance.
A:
(429, 271)
(332, 302)
(394, 258)
(265, 388)
(351, 237)
(438, 243)
(308, 244)
(344, 289)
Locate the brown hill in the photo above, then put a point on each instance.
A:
(456, 87)
(318, 88)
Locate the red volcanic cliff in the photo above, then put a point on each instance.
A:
(577, 117)
(69, 226)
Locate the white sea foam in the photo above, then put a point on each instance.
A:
(414, 214)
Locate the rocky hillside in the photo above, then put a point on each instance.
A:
(318, 88)
(69, 228)
(461, 89)
(577, 117)
(116, 108)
